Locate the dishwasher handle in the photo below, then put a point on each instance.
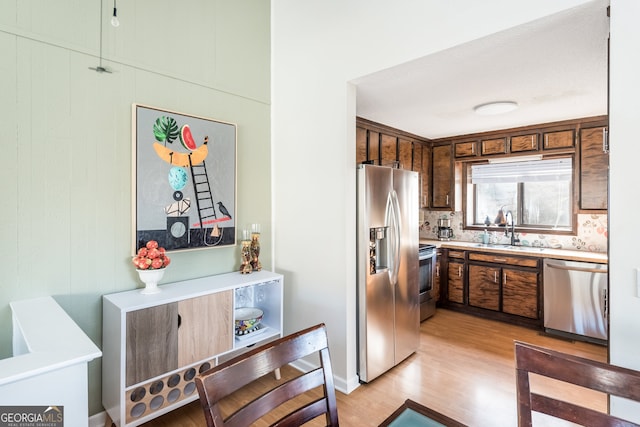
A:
(584, 269)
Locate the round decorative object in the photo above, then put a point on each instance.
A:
(177, 195)
(178, 229)
(178, 178)
(150, 278)
(247, 318)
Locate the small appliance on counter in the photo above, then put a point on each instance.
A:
(444, 229)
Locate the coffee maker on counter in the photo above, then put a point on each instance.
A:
(445, 232)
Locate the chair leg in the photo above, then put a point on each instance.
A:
(277, 374)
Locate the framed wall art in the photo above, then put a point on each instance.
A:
(184, 180)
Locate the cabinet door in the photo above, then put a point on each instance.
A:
(484, 287)
(374, 146)
(437, 277)
(455, 281)
(594, 169)
(520, 293)
(559, 139)
(494, 146)
(464, 149)
(416, 164)
(206, 327)
(152, 342)
(523, 143)
(405, 154)
(388, 150)
(442, 172)
(425, 175)
(361, 145)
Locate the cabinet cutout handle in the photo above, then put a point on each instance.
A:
(179, 320)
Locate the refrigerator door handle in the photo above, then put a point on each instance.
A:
(393, 207)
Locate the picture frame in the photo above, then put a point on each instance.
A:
(184, 180)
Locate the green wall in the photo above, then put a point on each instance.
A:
(66, 147)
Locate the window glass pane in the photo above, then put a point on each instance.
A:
(491, 197)
(547, 204)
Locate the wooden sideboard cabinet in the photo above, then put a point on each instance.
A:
(155, 345)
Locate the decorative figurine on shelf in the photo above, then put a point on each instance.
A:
(255, 247)
(255, 252)
(245, 268)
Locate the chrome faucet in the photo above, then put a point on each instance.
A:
(514, 240)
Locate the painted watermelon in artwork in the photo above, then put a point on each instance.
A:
(186, 138)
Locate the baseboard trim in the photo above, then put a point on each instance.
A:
(98, 420)
(342, 385)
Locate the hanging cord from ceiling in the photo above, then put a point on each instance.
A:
(99, 68)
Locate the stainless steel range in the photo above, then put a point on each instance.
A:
(426, 277)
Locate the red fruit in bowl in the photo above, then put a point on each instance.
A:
(153, 253)
(156, 263)
(166, 261)
(152, 244)
(142, 252)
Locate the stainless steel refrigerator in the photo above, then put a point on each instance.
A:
(387, 270)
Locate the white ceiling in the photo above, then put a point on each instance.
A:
(555, 69)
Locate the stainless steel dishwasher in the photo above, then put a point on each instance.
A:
(575, 300)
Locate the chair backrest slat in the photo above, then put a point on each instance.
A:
(229, 377)
(591, 374)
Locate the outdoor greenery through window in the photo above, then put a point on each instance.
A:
(538, 193)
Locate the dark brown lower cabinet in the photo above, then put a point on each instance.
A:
(520, 293)
(508, 289)
(484, 287)
(503, 287)
(455, 282)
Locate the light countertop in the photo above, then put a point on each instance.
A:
(565, 254)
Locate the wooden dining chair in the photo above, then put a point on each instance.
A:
(594, 375)
(295, 399)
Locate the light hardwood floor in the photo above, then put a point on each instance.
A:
(464, 368)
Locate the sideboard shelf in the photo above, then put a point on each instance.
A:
(154, 345)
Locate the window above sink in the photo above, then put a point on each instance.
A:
(539, 194)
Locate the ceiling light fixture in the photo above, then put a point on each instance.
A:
(114, 19)
(493, 108)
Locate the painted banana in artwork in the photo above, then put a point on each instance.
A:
(182, 159)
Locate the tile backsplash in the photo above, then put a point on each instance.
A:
(592, 233)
